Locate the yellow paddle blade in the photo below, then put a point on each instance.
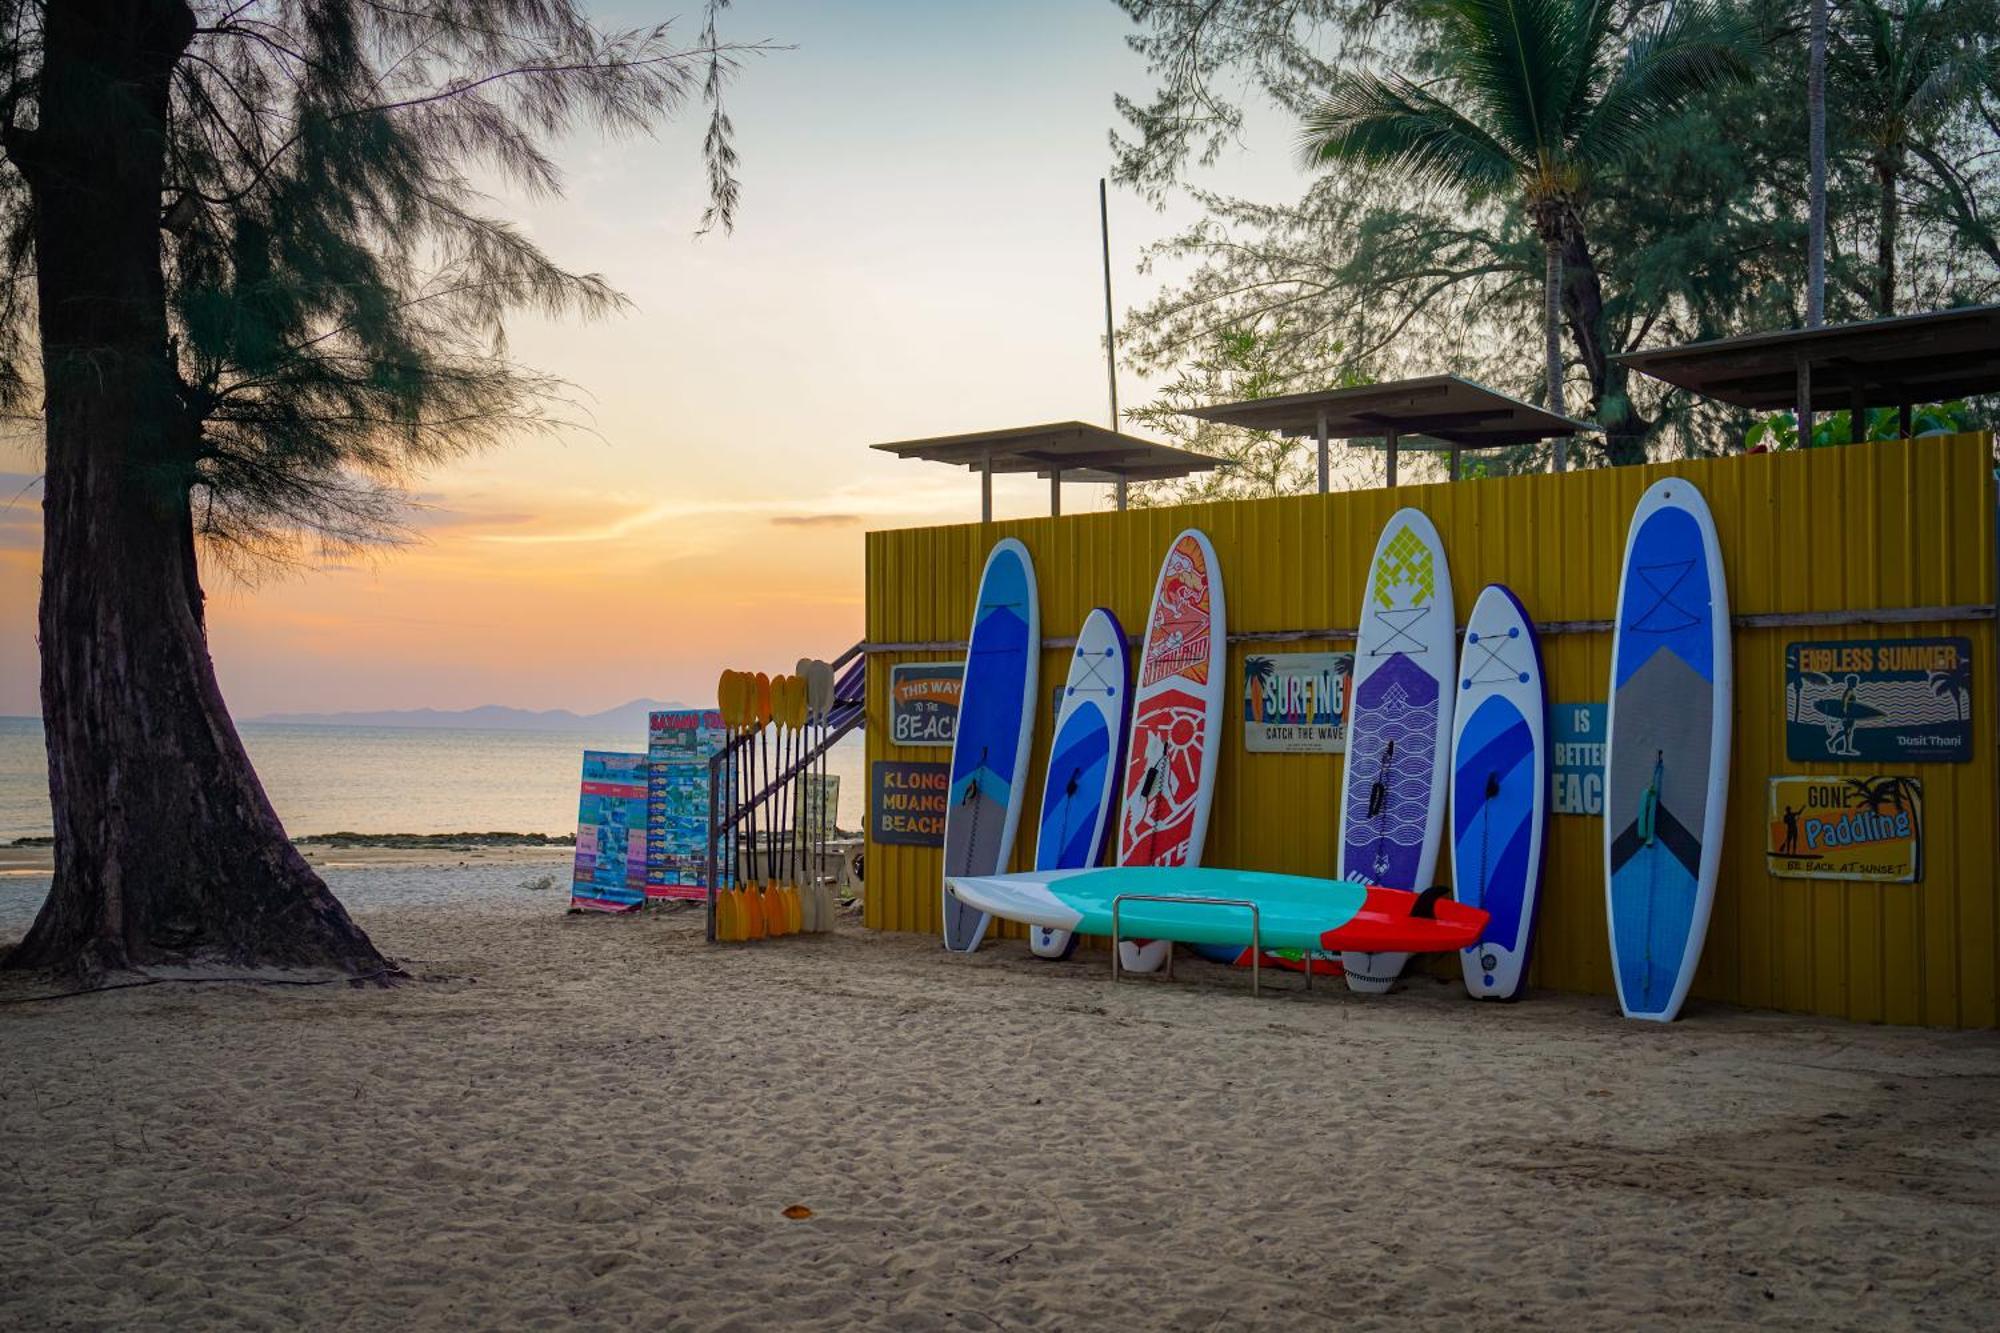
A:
(762, 706)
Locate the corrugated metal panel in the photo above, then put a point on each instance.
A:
(1886, 525)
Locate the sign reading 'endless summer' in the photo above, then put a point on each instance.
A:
(1895, 700)
(906, 802)
(923, 702)
(1576, 753)
(1296, 703)
(1847, 828)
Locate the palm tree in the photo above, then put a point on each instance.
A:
(1955, 681)
(1904, 66)
(1536, 101)
(1257, 672)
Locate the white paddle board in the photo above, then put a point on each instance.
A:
(1392, 790)
(1499, 788)
(1081, 787)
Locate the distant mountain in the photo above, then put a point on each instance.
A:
(490, 717)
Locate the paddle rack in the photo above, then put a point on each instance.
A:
(727, 815)
(1256, 931)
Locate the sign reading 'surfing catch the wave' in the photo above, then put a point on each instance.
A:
(1896, 700)
(1296, 703)
(1847, 828)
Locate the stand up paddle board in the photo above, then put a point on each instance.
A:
(1169, 779)
(1499, 788)
(1398, 757)
(1667, 749)
(1082, 782)
(996, 720)
(1293, 911)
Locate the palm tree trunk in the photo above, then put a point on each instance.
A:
(1888, 172)
(1552, 333)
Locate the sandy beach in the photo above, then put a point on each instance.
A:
(601, 1122)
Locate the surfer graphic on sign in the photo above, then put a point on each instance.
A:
(1844, 713)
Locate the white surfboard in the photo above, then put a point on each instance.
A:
(1667, 734)
(1499, 789)
(1080, 790)
(1169, 780)
(1392, 789)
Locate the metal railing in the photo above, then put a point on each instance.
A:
(1256, 931)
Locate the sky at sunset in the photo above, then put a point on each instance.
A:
(917, 254)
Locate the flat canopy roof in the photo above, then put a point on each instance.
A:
(1078, 450)
(1444, 407)
(1883, 362)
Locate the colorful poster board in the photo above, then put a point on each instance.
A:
(906, 802)
(679, 744)
(923, 702)
(610, 872)
(1868, 829)
(1879, 701)
(1296, 703)
(1576, 770)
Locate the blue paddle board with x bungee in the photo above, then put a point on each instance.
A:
(1081, 788)
(996, 720)
(1499, 788)
(1667, 741)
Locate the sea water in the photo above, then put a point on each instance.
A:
(340, 779)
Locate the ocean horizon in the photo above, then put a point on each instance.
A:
(338, 778)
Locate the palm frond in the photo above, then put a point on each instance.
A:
(1398, 125)
(1698, 47)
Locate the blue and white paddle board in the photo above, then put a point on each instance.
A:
(996, 720)
(1392, 789)
(1081, 787)
(1667, 749)
(1499, 788)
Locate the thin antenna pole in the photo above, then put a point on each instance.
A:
(1110, 336)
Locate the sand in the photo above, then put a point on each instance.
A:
(589, 1121)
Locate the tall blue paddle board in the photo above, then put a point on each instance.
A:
(1081, 787)
(1667, 741)
(1499, 788)
(996, 720)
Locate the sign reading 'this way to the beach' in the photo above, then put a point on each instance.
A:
(906, 802)
(923, 702)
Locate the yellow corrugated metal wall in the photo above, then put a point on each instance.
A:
(1904, 524)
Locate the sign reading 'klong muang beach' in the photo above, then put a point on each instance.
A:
(906, 802)
(923, 702)
(1896, 700)
(1847, 828)
(1296, 703)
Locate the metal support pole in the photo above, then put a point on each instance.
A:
(986, 487)
(1857, 415)
(1055, 492)
(1805, 412)
(1256, 930)
(1391, 439)
(1903, 420)
(1455, 452)
(1121, 495)
(714, 782)
(1325, 467)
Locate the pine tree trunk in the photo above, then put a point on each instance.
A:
(1552, 334)
(166, 848)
